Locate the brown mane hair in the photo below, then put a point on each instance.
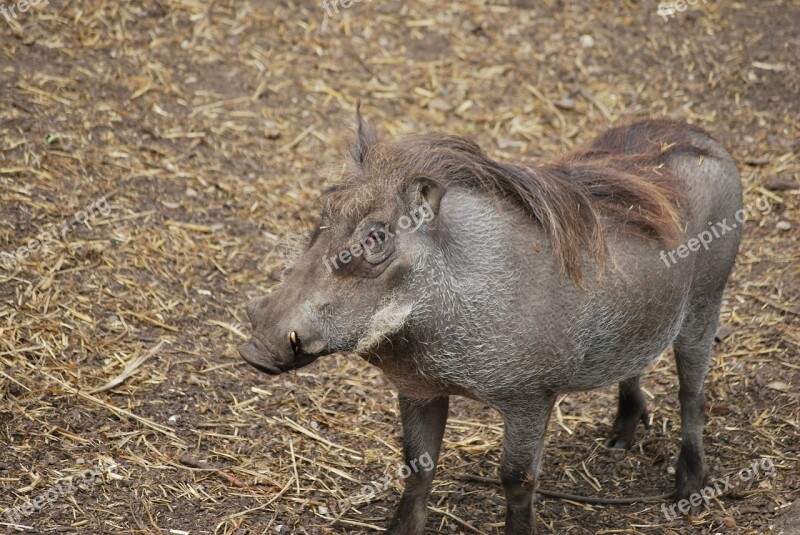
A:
(621, 174)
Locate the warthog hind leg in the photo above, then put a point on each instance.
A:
(692, 351)
(631, 410)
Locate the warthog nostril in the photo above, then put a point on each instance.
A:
(294, 342)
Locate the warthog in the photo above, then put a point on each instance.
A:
(520, 282)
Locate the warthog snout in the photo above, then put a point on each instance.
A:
(254, 305)
(281, 342)
(255, 353)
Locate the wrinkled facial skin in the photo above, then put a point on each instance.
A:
(354, 269)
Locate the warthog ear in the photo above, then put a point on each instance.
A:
(365, 137)
(425, 194)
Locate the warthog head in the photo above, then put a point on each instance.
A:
(345, 291)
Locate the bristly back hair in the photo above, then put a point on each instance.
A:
(622, 174)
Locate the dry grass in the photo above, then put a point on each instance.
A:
(207, 125)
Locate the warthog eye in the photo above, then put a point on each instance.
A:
(375, 240)
(377, 245)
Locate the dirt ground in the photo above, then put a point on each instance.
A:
(189, 138)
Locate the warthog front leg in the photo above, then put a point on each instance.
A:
(423, 428)
(523, 440)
